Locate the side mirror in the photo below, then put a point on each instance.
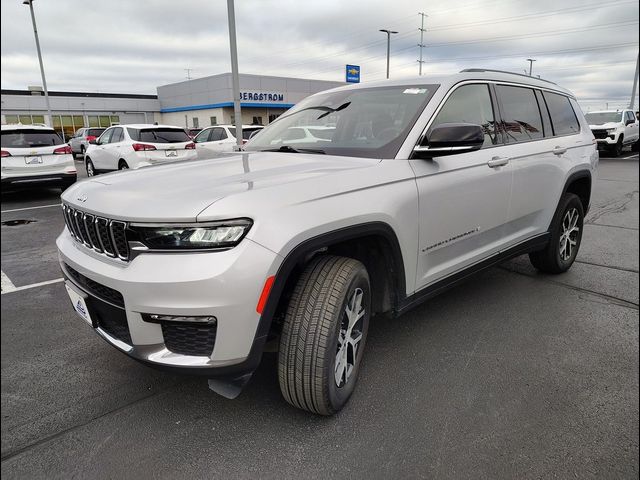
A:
(629, 121)
(450, 139)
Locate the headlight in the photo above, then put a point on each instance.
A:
(611, 130)
(215, 235)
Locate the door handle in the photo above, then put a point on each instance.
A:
(559, 150)
(496, 162)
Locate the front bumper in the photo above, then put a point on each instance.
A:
(225, 284)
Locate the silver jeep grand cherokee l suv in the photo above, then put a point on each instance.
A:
(412, 186)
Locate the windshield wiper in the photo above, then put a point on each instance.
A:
(290, 149)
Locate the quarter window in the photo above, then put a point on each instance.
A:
(521, 120)
(563, 117)
(470, 104)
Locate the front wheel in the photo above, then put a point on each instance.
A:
(566, 235)
(91, 171)
(617, 148)
(324, 334)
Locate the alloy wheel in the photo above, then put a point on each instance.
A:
(349, 338)
(570, 234)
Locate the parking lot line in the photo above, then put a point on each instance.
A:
(30, 208)
(9, 287)
(7, 284)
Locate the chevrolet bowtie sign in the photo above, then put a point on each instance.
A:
(353, 74)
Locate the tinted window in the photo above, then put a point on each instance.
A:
(470, 104)
(203, 136)
(246, 132)
(94, 132)
(563, 117)
(631, 116)
(26, 138)
(117, 135)
(521, 120)
(105, 137)
(159, 135)
(217, 134)
(369, 122)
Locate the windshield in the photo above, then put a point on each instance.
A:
(26, 138)
(159, 135)
(363, 122)
(599, 118)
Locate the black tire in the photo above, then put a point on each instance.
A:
(91, 170)
(122, 165)
(616, 150)
(552, 259)
(82, 150)
(309, 344)
(635, 147)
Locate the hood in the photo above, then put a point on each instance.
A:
(604, 126)
(178, 192)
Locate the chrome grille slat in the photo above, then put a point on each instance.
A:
(100, 234)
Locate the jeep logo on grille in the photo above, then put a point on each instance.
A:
(82, 198)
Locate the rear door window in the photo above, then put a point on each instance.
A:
(521, 119)
(160, 135)
(30, 138)
(117, 135)
(217, 134)
(563, 117)
(470, 104)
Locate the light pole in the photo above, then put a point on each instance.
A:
(235, 78)
(388, 32)
(44, 81)
(530, 60)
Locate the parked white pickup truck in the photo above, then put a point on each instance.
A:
(614, 129)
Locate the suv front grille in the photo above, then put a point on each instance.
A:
(103, 235)
(189, 339)
(94, 288)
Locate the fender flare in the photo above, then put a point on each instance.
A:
(299, 254)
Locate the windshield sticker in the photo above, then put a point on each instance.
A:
(415, 91)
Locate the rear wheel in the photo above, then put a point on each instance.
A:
(566, 235)
(91, 171)
(122, 165)
(324, 334)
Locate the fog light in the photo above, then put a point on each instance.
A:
(157, 318)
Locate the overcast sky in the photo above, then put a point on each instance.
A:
(128, 46)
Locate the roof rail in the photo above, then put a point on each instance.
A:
(471, 70)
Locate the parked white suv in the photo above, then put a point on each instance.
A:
(122, 147)
(35, 155)
(422, 183)
(614, 129)
(221, 139)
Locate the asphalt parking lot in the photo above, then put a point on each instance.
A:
(511, 375)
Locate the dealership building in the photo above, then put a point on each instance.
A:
(198, 102)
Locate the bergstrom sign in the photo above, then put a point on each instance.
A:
(262, 97)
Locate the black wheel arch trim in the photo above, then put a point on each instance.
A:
(577, 176)
(301, 252)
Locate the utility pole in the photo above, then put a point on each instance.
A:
(44, 81)
(235, 78)
(635, 84)
(530, 60)
(388, 32)
(421, 44)
(188, 70)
